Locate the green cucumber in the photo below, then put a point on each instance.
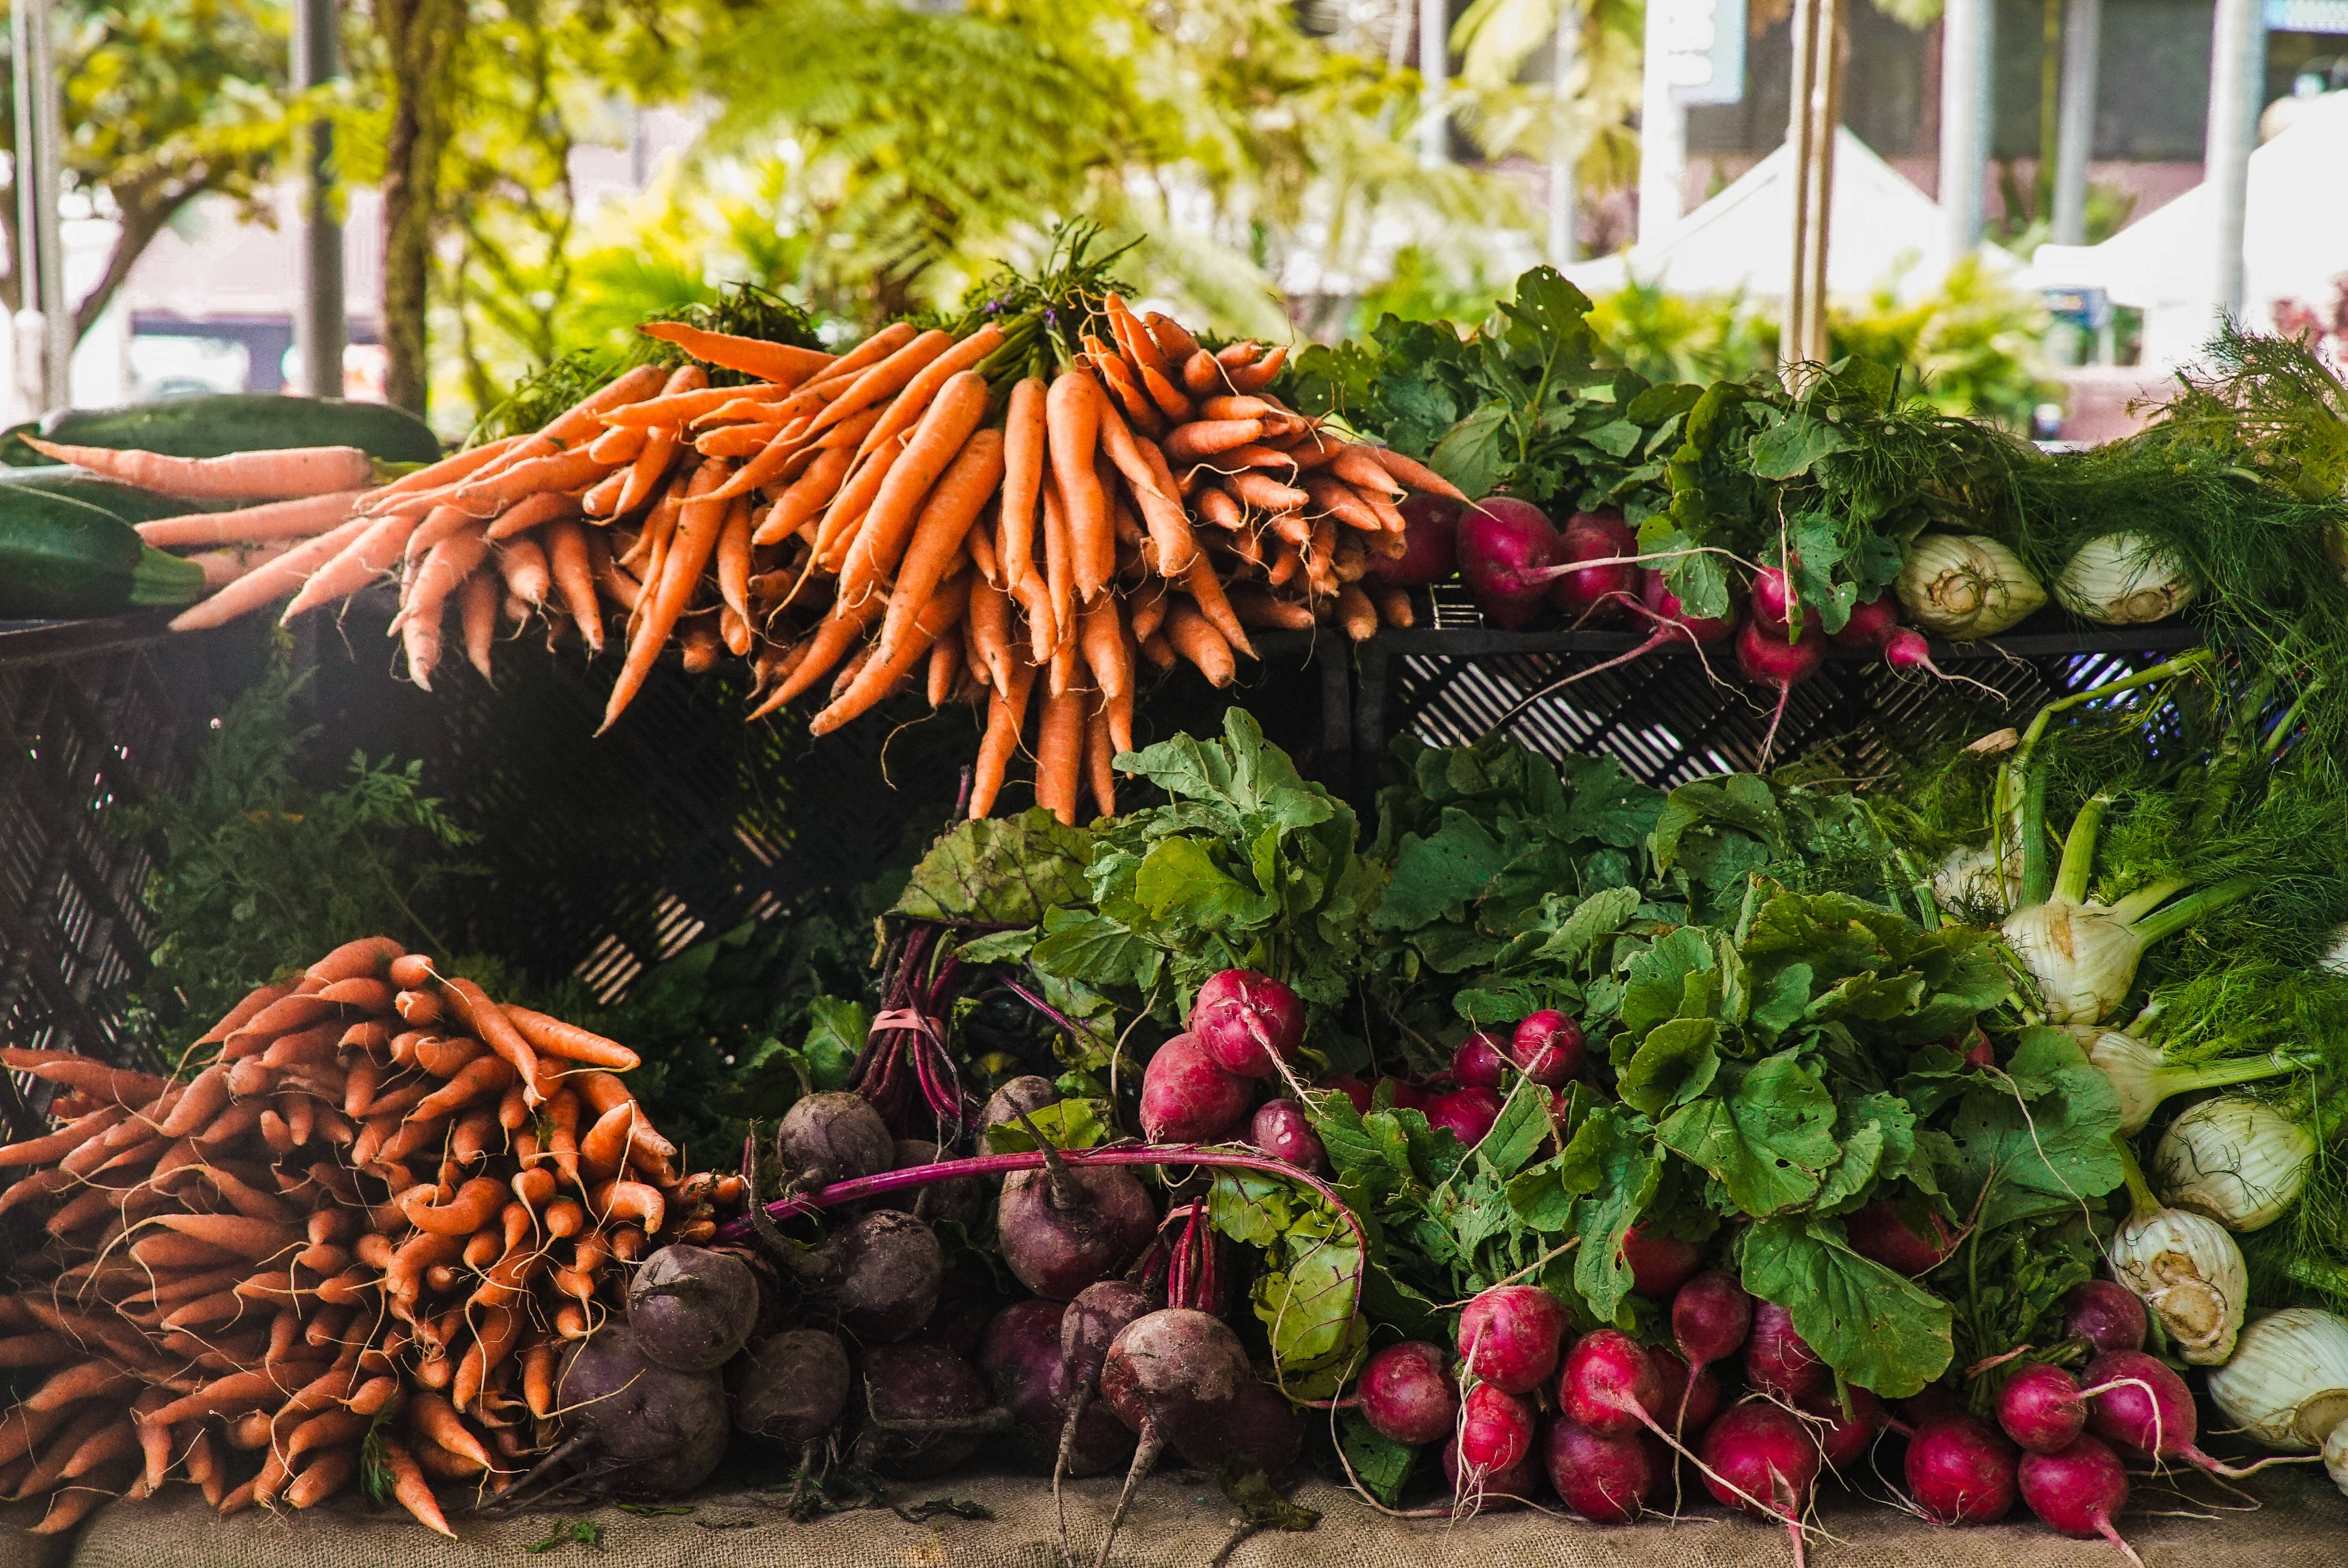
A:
(217, 424)
(128, 502)
(61, 560)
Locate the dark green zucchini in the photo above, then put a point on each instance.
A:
(61, 560)
(216, 424)
(128, 502)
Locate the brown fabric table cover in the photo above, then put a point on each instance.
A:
(1180, 1522)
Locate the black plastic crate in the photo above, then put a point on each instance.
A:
(94, 716)
(1676, 715)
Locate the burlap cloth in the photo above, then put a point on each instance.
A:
(1180, 1522)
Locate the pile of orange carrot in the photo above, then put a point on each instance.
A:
(1020, 528)
(359, 1237)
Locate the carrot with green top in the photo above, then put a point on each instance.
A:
(889, 376)
(698, 524)
(905, 410)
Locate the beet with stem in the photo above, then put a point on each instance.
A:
(630, 1428)
(1062, 1228)
(889, 1267)
(791, 1389)
(923, 1410)
(834, 1137)
(692, 1308)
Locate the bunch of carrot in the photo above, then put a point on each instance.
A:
(357, 1237)
(965, 511)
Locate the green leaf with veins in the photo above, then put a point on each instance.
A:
(1674, 1063)
(1006, 871)
(2041, 1143)
(1610, 1165)
(1769, 1139)
(1879, 1329)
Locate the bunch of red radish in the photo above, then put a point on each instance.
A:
(1518, 563)
(1545, 1046)
(1600, 1416)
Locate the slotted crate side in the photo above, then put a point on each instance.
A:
(84, 735)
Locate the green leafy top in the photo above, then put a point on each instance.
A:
(999, 871)
(1247, 865)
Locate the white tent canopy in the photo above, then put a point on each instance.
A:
(2295, 241)
(1885, 232)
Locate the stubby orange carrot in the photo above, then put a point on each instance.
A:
(1059, 753)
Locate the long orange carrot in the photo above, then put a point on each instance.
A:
(1059, 574)
(1169, 528)
(1006, 715)
(832, 639)
(1023, 478)
(448, 471)
(846, 514)
(258, 587)
(302, 520)
(776, 362)
(1099, 751)
(365, 557)
(946, 519)
(951, 418)
(880, 676)
(815, 485)
(1072, 415)
(1059, 751)
(448, 563)
(1100, 635)
(904, 411)
(570, 470)
(734, 557)
(1208, 589)
(697, 528)
(887, 376)
(270, 476)
(990, 634)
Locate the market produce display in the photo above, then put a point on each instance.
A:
(1953, 1129)
(364, 1240)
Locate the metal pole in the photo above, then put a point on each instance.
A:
(1564, 188)
(1663, 134)
(1434, 70)
(1966, 32)
(2074, 133)
(2237, 39)
(318, 326)
(44, 335)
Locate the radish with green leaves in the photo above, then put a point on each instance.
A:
(1659, 1262)
(1248, 1023)
(1506, 546)
(1510, 1336)
(2076, 1491)
(1406, 1393)
(2040, 1408)
(1593, 574)
(2108, 1314)
(1546, 1047)
(1606, 1478)
(1759, 1459)
(1769, 659)
(1778, 1359)
(1962, 1472)
(1187, 1097)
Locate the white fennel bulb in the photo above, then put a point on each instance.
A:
(1965, 586)
(2141, 1077)
(2287, 1384)
(2240, 1162)
(2124, 580)
(1974, 877)
(2083, 957)
(2335, 1456)
(2188, 1272)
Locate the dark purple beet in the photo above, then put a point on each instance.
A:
(1060, 1233)
(835, 1137)
(692, 1308)
(916, 1384)
(890, 1267)
(1095, 1318)
(643, 1431)
(791, 1389)
(1020, 1358)
(1026, 1092)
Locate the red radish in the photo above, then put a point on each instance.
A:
(1779, 1360)
(1511, 1335)
(2040, 1408)
(1496, 1429)
(1479, 1061)
(2108, 1314)
(1547, 1047)
(1404, 1096)
(1961, 1471)
(1844, 1439)
(1186, 1098)
(1760, 1461)
(1769, 659)
(1468, 1112)
(1495, 1489)
(1592, 595)
(1978, 1051)
(1659, 1262)
(1868, 622)
(1609, 1384)
(1608, 1478)
(1712, 1315)
(1430, 541)
(1353, 1089)
(1876, 1231)
(2143, 1407)
(1504, 545)
(1247, 1022)
(1773, 600)
(2077, 1490)
(1695, 1398)
(1407, 1395)
(1284, 1132)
